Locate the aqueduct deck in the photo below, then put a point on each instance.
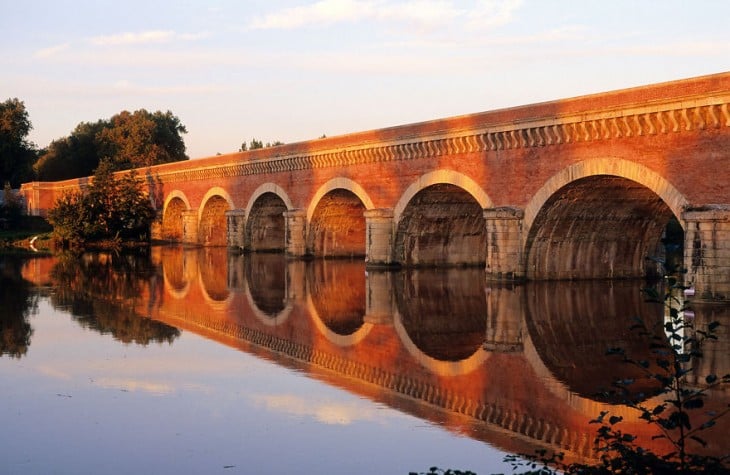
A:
(569, 189)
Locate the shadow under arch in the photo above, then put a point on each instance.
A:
(172, 215)
(336, 220)
(599, 218)
(212, 223)
(439, 220)
(606, 166)
(265, 224)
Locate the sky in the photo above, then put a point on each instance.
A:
(234, 70)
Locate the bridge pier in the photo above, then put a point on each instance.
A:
(296, 232)
(235, 228)
(190, 226)
(707, 252)
(504, 243)
(379, 237)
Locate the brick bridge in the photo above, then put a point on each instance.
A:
(570, 189)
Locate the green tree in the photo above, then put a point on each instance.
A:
(128, 140)
(71, 157)
(256, 144)
(110, 208)
(142, 139)
(11, 207)
(17, 155)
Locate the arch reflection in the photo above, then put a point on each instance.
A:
(443, 312)
(572, 324)
(336, 292)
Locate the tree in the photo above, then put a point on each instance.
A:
(17, 155)
(128, 140)
(71, 157)
(110, 208)
(142, 139)
(256, 144)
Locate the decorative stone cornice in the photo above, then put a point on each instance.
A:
(679, 116)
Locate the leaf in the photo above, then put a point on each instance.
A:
(713, 325)
(696, 403)
(707, 425)
(710, 378)
(698, 439)
(614, 419)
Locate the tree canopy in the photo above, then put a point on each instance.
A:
(109, 208)
(17, 155)
(126, 140)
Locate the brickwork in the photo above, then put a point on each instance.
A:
(666, 145)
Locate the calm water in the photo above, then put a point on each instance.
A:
(197, 361)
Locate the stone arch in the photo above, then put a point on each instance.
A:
(265, 224)
(212, 224)
(437, 177)
(599, 218)
(439, 220)
(172, 216)
(336, 220)
(607, 166)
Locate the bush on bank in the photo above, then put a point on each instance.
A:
(111, 209)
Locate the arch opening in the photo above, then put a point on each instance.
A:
(213, 224)
(442, 225)
(601, 227)
(265, 226)
(172, 220)
(337, 226)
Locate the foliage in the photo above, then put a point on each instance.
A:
(127, 140)
(11, 208)
(255, 144)
(440, 471)
(17, 155)
(674, 351)
(110, 208)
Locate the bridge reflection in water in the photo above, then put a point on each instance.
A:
(517, 366)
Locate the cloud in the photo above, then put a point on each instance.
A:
(51, 51)
(144, 37)
(423, 14)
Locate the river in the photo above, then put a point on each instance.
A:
(191, 360)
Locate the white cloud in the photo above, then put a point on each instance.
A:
(423, 14)
(145, 37)
(51, 51)
(320, 13)
(130, 38)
